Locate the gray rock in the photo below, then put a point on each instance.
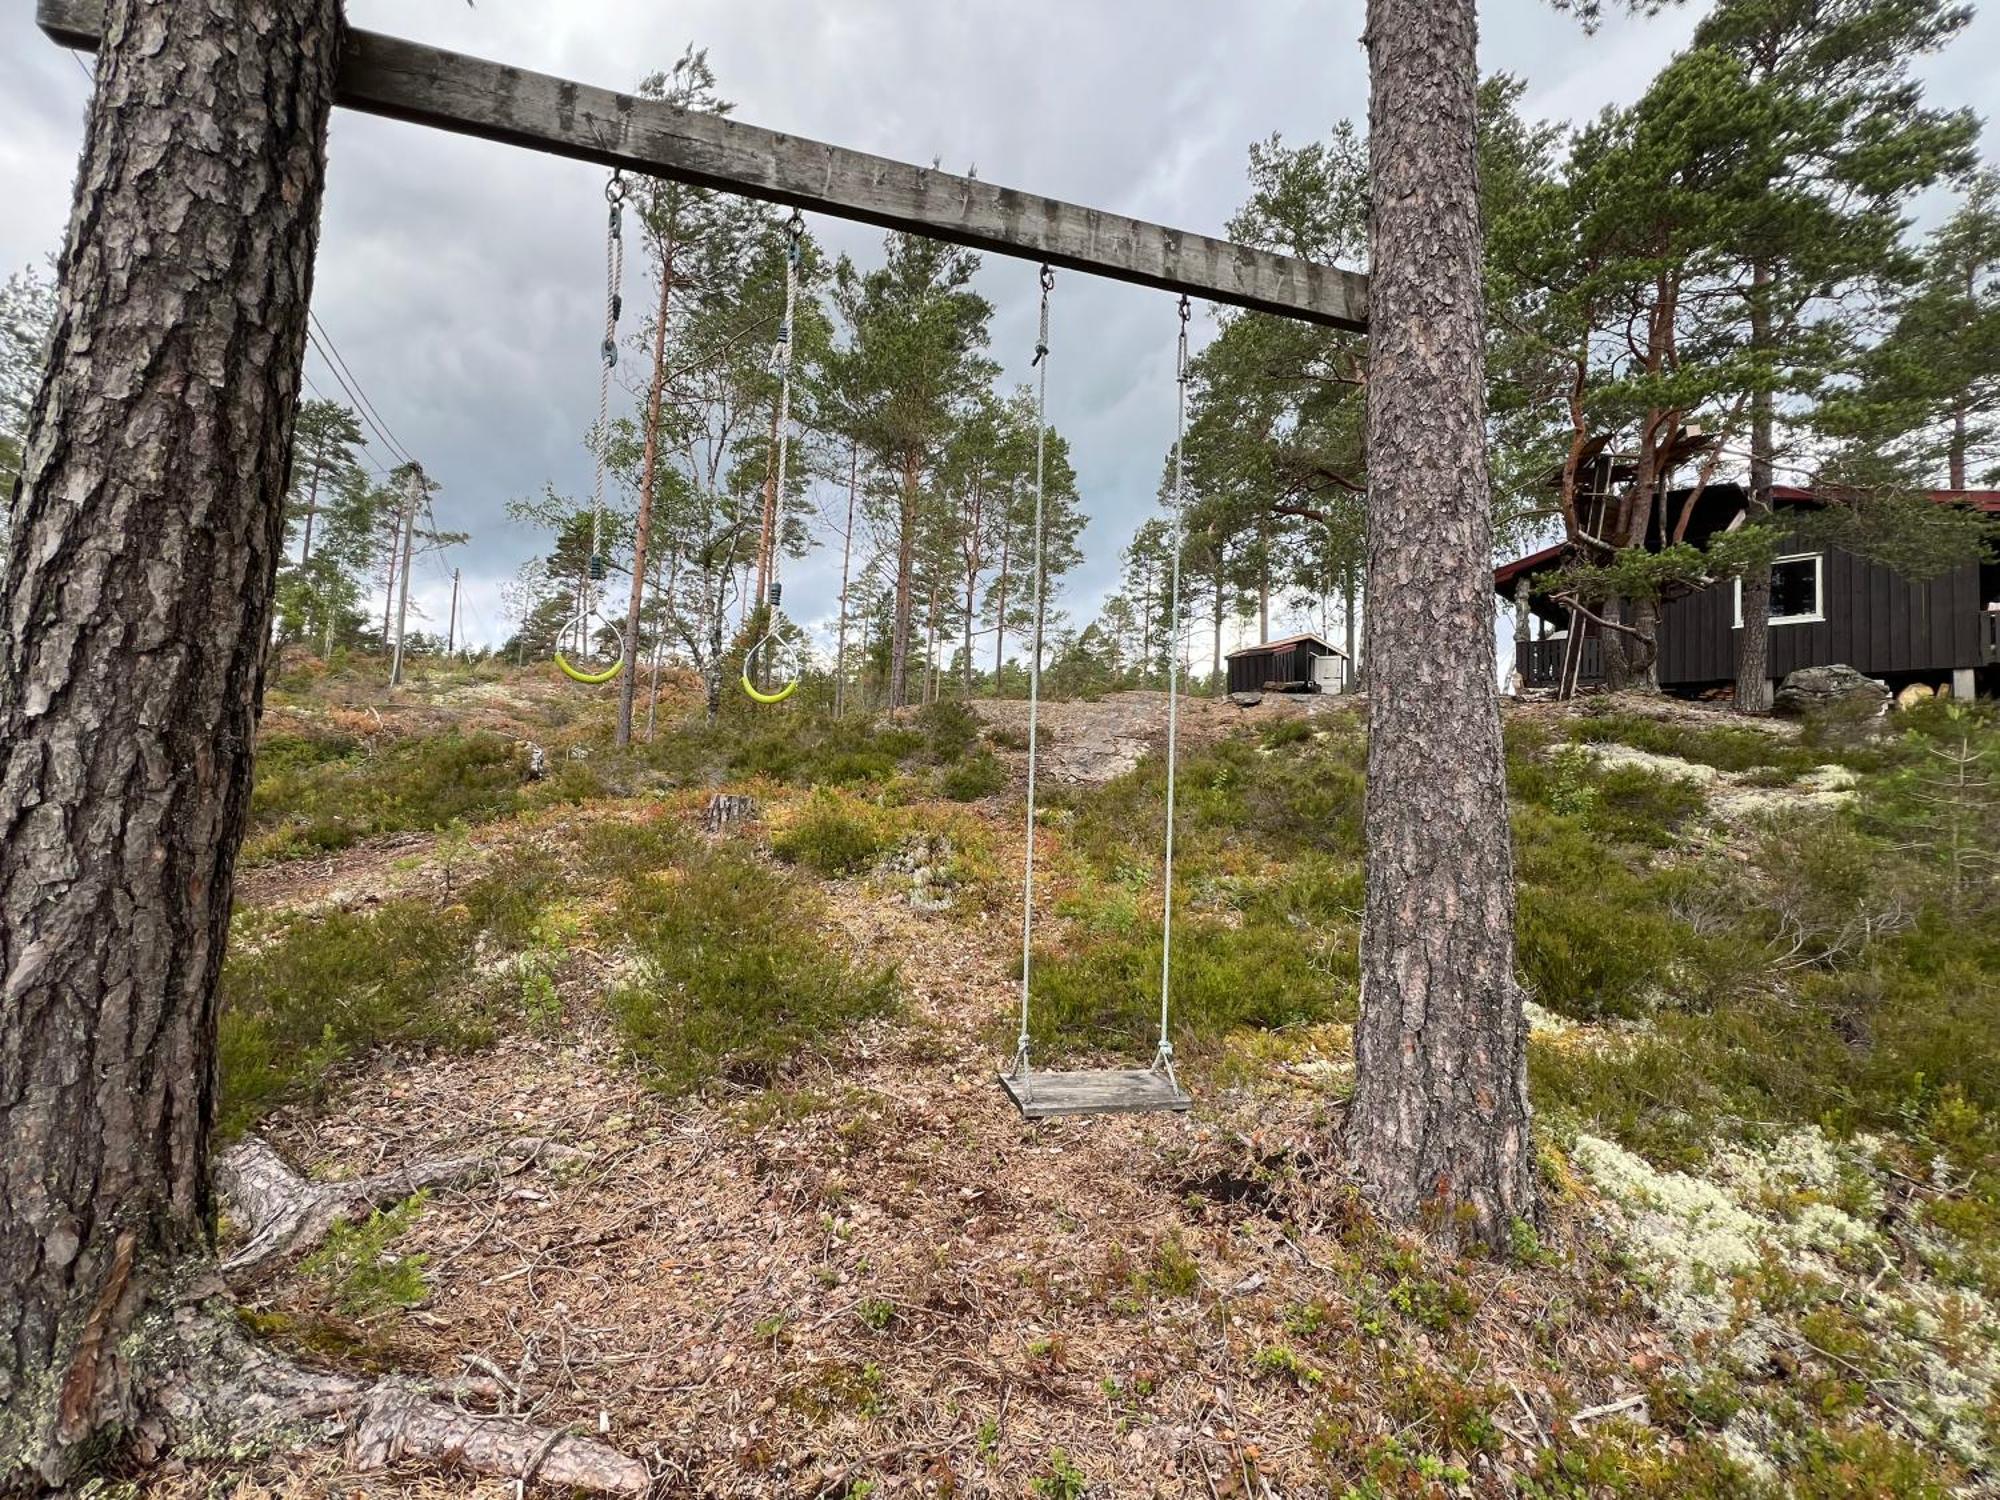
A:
(1246, 700)
(1811, 688)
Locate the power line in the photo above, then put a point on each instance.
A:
(328, 348)
(363, 409)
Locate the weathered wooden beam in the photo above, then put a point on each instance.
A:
(404, 80)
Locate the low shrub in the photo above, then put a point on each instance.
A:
(319, 991)
(977, 775)
(733, 982)
(312, 796)
(835, 835)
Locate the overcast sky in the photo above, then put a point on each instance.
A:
(462, 280)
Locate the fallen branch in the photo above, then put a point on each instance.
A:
(287, 1214)
(1608, 1409)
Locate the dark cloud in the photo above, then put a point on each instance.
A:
(462, 280)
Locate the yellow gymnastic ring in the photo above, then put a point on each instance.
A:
(778, 697)
(589, 679)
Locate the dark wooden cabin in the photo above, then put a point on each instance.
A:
(1827, 606)
(1292, 665)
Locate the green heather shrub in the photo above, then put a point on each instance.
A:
(320, 990)
(835, 835)
(1105, 995)
(311, 796)
(949, 730)
(733, 981)
(355, 1267)
(977, 775)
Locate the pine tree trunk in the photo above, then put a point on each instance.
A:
(150, 523)
(1216, 684)
(846, 557)
(642, 534)
(1955, 454)
(1753, 641)
(906, 552)
(1347, 624)
(1439, 1117)
(1000, 613)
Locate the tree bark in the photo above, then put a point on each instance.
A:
(642, 533)
(1753, 641)
(1439, 1118)
(137, 602)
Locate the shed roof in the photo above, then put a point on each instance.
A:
(1278, 645)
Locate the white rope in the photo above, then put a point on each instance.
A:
(1164, 1056)
(782, 357)
(614, 278)
(1034, 671)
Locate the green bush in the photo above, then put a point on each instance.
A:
(949, 730)
(834, 836)
(319, 991)
(354, 1264)
(977, 775)
(1263, 975)
(733, 981)
(311, 796)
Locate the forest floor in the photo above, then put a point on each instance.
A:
(847, 1267)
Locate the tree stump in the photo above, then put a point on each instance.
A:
(725, 808)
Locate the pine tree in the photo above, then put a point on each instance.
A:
(912, 361)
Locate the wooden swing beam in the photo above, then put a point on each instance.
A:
(404, 80)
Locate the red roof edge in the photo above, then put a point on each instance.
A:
(1506, 573)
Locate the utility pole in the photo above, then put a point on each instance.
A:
(416, 490)
(451, 625)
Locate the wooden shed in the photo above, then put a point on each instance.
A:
(1296, 664)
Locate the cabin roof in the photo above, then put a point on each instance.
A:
(1724, 501)
(1278, 645)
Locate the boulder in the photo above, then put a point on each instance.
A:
(1914, 694)
(1246, 700)
(1813, 688)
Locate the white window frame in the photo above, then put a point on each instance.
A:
(1818, 560)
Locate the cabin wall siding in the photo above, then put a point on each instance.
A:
(1876, 622)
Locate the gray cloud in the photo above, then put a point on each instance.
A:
(462, 279)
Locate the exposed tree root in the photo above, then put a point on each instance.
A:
(226, 1391)
(287, 1214)
(215, 1388)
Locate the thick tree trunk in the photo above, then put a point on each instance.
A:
(642, 535)
(137, 603)
(1955, 454)
(1439, 1118)
(906, 553)
(1753, 641)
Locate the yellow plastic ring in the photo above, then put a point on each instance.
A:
(589, 679)
(778, 697)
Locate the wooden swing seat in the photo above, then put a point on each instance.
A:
(1094, 1091)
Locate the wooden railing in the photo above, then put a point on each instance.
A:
(1540, 663)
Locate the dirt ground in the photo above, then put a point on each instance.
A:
(1089, 742)
(879, 1280)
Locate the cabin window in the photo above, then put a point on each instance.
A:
(1797, 590)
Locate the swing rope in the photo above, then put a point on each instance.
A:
(1041, 364)
(614, 278)
(1163, 1058)
(781, 366)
